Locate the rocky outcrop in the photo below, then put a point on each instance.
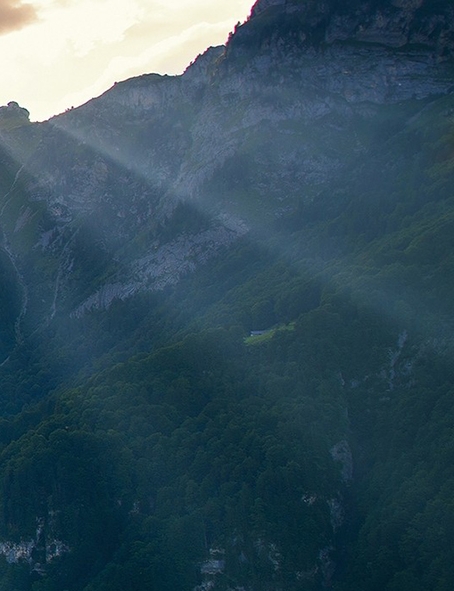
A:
(13, 115)
(392, 23)
(342, 453)
(37, 552)
(15, 552)
(164, 265)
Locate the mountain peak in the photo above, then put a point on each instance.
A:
(13, 115)
(393, 23)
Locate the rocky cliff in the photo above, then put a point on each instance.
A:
(246, 134)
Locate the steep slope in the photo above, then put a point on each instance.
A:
(297, 184)
(257, 127)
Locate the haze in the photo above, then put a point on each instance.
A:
(55, 54)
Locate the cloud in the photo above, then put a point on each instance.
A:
(15, 15)
(171, 55)
(76, 49)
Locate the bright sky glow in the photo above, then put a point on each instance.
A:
(55, 54)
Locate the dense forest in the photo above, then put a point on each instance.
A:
(278, 418)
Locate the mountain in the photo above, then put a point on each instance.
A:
(226, 340)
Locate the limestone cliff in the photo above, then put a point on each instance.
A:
(248, 132)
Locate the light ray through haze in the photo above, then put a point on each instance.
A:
(344, 275)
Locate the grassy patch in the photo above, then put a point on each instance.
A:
(266, 336)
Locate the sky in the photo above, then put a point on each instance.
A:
(57, 54)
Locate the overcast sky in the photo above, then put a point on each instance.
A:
(55, 54)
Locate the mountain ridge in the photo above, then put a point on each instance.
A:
(146, 135)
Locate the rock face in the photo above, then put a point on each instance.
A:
(393, 23)
(164, 266)
(37, 552)
(247, 132)
(13, 113)
(342, 453)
